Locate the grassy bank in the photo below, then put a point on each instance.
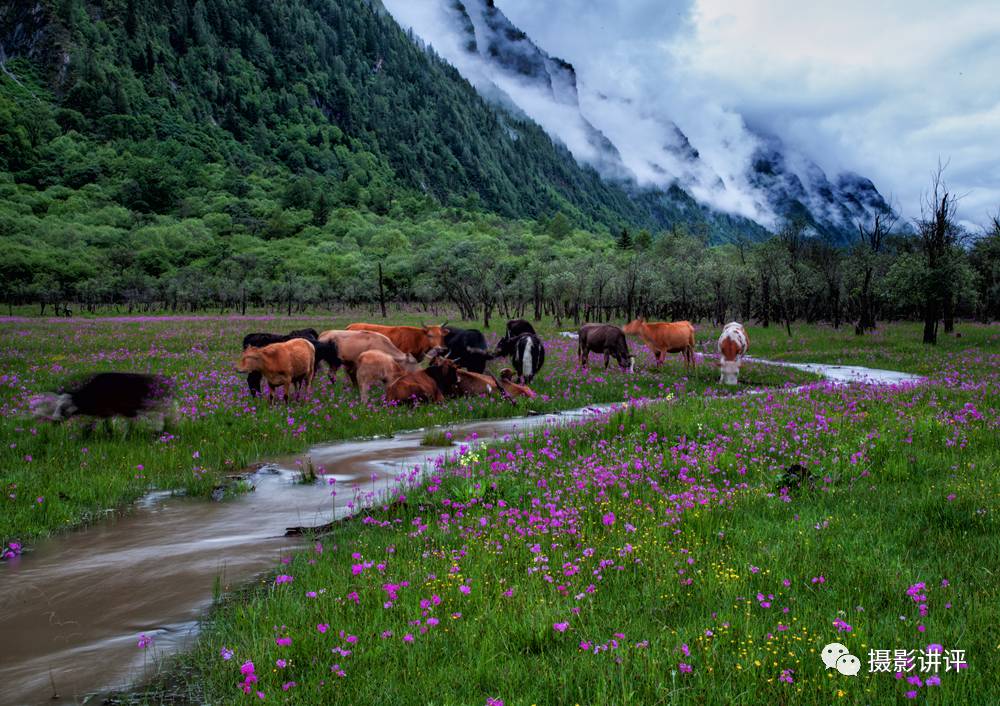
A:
(55, 477)
(662, 555)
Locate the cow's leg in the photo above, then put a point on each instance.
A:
(658, 355)
(253, 382)
(607, 359)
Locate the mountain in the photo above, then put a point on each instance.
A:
(665, 172)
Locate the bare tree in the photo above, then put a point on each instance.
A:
(937, 236)
(871, 240)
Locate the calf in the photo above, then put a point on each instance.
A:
(259, 340)
(432, 384)
(104, 395)
(606, 339)
(733, 345)
(527, 354)
(663, 338)
(286, 364)
(468, 348)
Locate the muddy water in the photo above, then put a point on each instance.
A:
(72, 610)
(846, 374)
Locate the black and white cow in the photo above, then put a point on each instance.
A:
(526, 352)
(515, 327)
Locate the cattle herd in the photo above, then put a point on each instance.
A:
(392, 357)
(456, 359)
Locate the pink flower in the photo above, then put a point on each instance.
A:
(323, 627)
(280, 663)
(911, 694)
(247, 668)
(284, 578)
(841, 625)
(145, 641)
(686, 668)
(560, 627)
(465, 589)
(283, 641)
(226, 654)
(608, 519)
(933, 680)
(490, 701)
(408, 637)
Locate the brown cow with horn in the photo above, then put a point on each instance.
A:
(418, 341)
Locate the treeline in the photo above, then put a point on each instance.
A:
(83, 251)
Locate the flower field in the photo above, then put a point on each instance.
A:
(702, 548)
(663, 554)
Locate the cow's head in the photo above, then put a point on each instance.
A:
(435, 334)
(444, 372)
(634, 326)
(249, 361)
(505, 346)
(506, 374)
(729, 372)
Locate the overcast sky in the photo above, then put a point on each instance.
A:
(880, 87)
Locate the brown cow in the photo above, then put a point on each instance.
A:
(606, 339)
(282, 364)
(472, 384)
(351, 344)
(429, 385)
(511, 387)
(662, 338)
(418, 341)
(376, 367)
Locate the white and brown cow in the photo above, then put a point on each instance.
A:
(733, 345)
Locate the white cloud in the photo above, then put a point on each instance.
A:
(883, 89)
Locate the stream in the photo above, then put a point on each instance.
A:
(73, 608)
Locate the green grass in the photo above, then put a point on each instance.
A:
(56, 477)
(906, 492)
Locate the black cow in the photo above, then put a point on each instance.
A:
(104, 395)
(526, 352)
(468, 348)
(606, 339)
(515, 327)
(324, 352)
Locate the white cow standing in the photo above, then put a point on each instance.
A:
(732, 346)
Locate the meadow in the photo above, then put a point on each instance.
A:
(56, 477)
(663, 554)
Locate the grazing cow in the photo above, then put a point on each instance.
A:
(418, 341)
(437, 380)
(515, 327)
(351, 344)
(733, 345)
(287, 364)
(259, 340)
(662, 338)
(526, 352)
(511, 387)
(607, 339)
(104, 395)
(468, 348)
(373, 367)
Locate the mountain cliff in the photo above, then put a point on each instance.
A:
(667, 172)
